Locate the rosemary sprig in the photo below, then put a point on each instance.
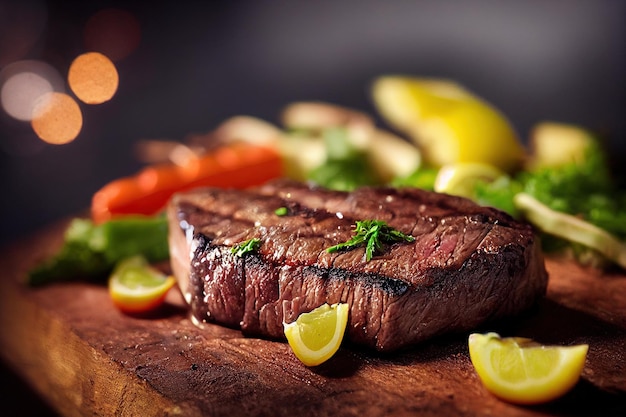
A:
(250, 245)
(372, 233)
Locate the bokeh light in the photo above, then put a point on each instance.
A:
(93, 78)
(22, 83)
(113, 32)
(57, 118)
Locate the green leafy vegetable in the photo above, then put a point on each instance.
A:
(583, 189)
(423, 178)
(372, 234)
(91, 251)
(346, 168)
(499, 194)
(250, 245)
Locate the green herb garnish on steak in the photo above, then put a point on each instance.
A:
(250, 245)
(281, 211)
(373, 234)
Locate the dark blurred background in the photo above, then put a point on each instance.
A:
(190, 65)
(198, 63)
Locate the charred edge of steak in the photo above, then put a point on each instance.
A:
(468, 265)
(216, 282)
(223, 283)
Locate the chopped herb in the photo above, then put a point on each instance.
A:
(372, 234)
(281, 211)
(250, 245)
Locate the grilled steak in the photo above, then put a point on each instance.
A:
(468, 264)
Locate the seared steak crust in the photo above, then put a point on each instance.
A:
(468, 264)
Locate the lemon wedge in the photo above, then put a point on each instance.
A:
(447, 122)
(401, 100)
(461, 178)
(136, 287)
(522, 371)
(316, 336)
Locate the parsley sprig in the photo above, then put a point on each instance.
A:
(372, 233)
(250, 245)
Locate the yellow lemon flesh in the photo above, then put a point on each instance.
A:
(403, 100)
(136, 287)
(521, 371)
(461, 178)
(449, 123)
(316, 336)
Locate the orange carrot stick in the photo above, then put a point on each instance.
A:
(236, 165)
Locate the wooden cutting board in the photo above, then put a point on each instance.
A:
(84, 357)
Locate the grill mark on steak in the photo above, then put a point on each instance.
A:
(468, 264)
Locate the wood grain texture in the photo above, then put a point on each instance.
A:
(86, 358)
